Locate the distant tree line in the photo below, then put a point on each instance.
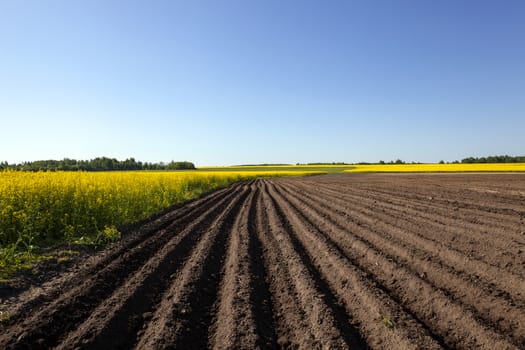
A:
(397, 161)
(97, 164)
(489, 159)
(495, 159)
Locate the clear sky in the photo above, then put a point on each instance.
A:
(235, 82)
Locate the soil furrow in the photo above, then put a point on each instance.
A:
(493, 306)
(484, 214)
(384, 223)
(184, 315)
(467, 200)
(501, 199)
(369, 304)
(347, 326)
(453, 228)
(477, 218)
(391, 272)
(305, 318)
(260, 296)
(235, 324)
(374, 220)
(451, 215)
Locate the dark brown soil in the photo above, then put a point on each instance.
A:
(325, 262)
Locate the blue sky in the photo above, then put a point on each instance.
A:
(235, 82)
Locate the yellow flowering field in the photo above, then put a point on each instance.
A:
(39, 209)
(436, 168)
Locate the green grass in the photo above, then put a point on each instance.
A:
(328, 169)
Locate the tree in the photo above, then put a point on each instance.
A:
(97, 164)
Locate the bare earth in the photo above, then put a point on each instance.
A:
(331, 262)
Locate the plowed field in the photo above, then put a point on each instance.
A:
(333, 262)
